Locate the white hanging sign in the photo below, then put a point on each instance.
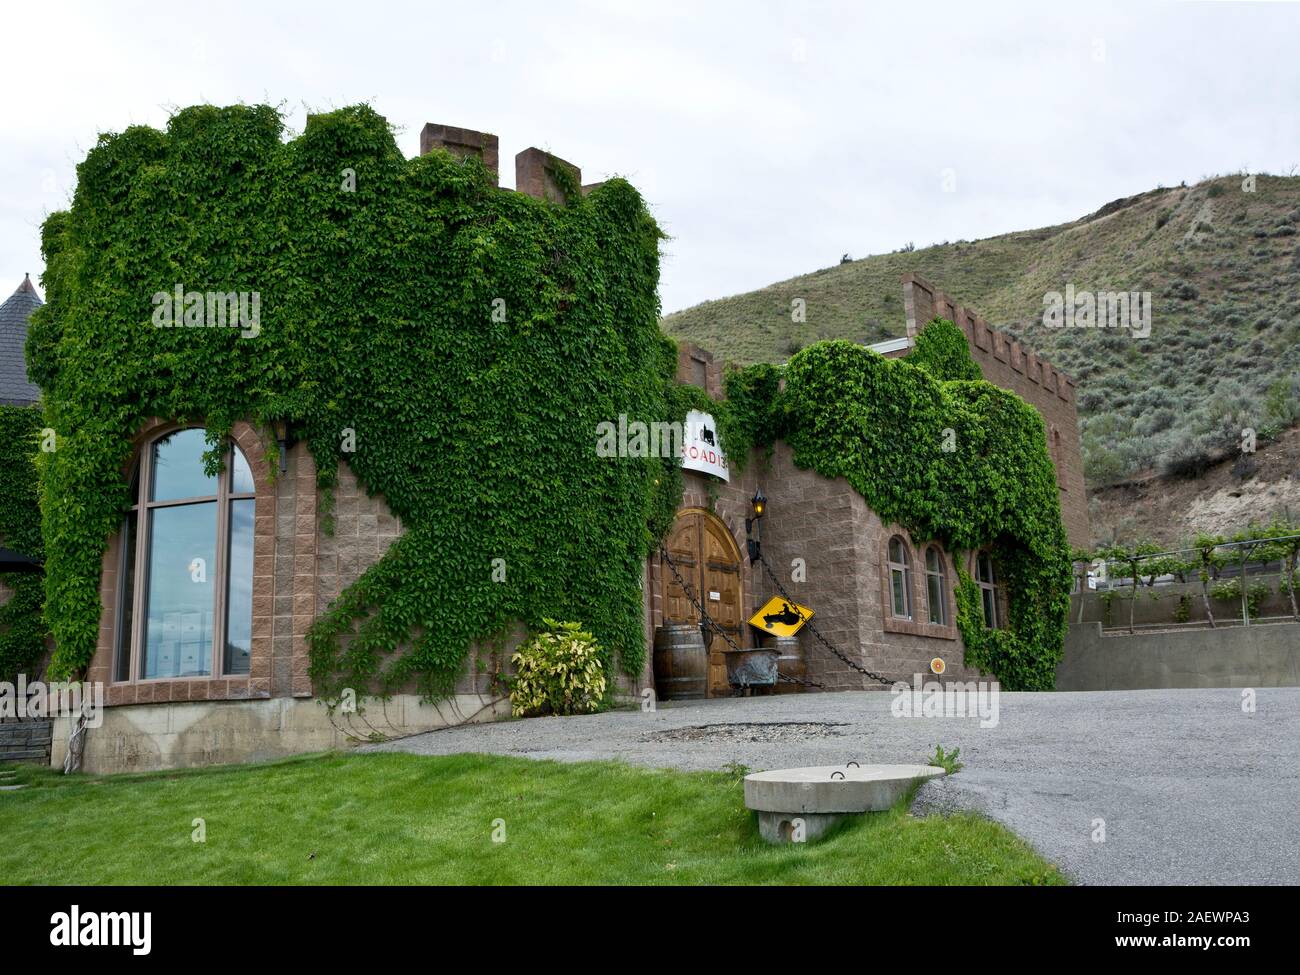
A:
(701, 450)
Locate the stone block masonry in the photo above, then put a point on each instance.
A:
(26, 741)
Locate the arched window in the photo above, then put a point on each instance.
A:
(186, 593)
(900, 578)
(987, 579)
(936, 589)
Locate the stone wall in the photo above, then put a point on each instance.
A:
(298, 571)
(1264, 655)
(843, 545)
(364, 528)
(26, 740)
(139, 738)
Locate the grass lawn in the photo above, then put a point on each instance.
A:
(408, 819)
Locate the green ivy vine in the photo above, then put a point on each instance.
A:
(22, 626)
(942, 351)
(472, 338)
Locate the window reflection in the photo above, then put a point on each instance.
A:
(178, 467)
(181, 591)
(186, 593)
(239, 593)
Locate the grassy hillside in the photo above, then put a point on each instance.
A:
(1223, 269)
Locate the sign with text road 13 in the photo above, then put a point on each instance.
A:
(781, 617)
(701, 450)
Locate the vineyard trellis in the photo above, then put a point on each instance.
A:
(1209, 559)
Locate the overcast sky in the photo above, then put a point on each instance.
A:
(768, 138)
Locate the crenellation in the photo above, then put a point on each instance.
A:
(1033, 369)
(537, 175)
(462, 143)
(1017, 361)
(918, 302)
(537, 172)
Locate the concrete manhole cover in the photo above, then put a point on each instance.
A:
(752, 731)
(799, 804)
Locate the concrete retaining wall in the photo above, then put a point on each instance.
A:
(1263, 655)
(137, 738)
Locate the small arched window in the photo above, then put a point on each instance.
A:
(900, 578)
(986, 578)
(186, 593)
(936, 589)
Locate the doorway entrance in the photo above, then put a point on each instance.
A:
(709, 561)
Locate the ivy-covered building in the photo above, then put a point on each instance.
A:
(328, 426)
(883, 594)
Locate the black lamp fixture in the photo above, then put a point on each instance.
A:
(758, 507)
(283, 442)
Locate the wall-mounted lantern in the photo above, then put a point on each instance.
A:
(282, 440)
(758, 507)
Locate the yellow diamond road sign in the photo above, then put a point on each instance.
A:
(781, 617)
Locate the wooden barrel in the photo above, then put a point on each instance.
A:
(680, 662)
(789, 663)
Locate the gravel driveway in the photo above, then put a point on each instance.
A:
(1192, 789)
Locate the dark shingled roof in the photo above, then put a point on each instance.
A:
(15, 390)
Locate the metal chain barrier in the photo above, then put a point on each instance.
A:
(815, 632)
(709, 621)
(789, 679)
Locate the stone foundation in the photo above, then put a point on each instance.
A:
(141, 738)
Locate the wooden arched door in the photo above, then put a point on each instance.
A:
(709, 562)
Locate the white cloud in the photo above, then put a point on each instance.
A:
(769, 139)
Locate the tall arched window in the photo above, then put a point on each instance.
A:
(987, 579)
(186, 598)
(900, 578)
(936, 589)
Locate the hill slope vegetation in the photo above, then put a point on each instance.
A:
(1222, 266)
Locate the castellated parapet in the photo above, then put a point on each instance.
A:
(538, 173)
